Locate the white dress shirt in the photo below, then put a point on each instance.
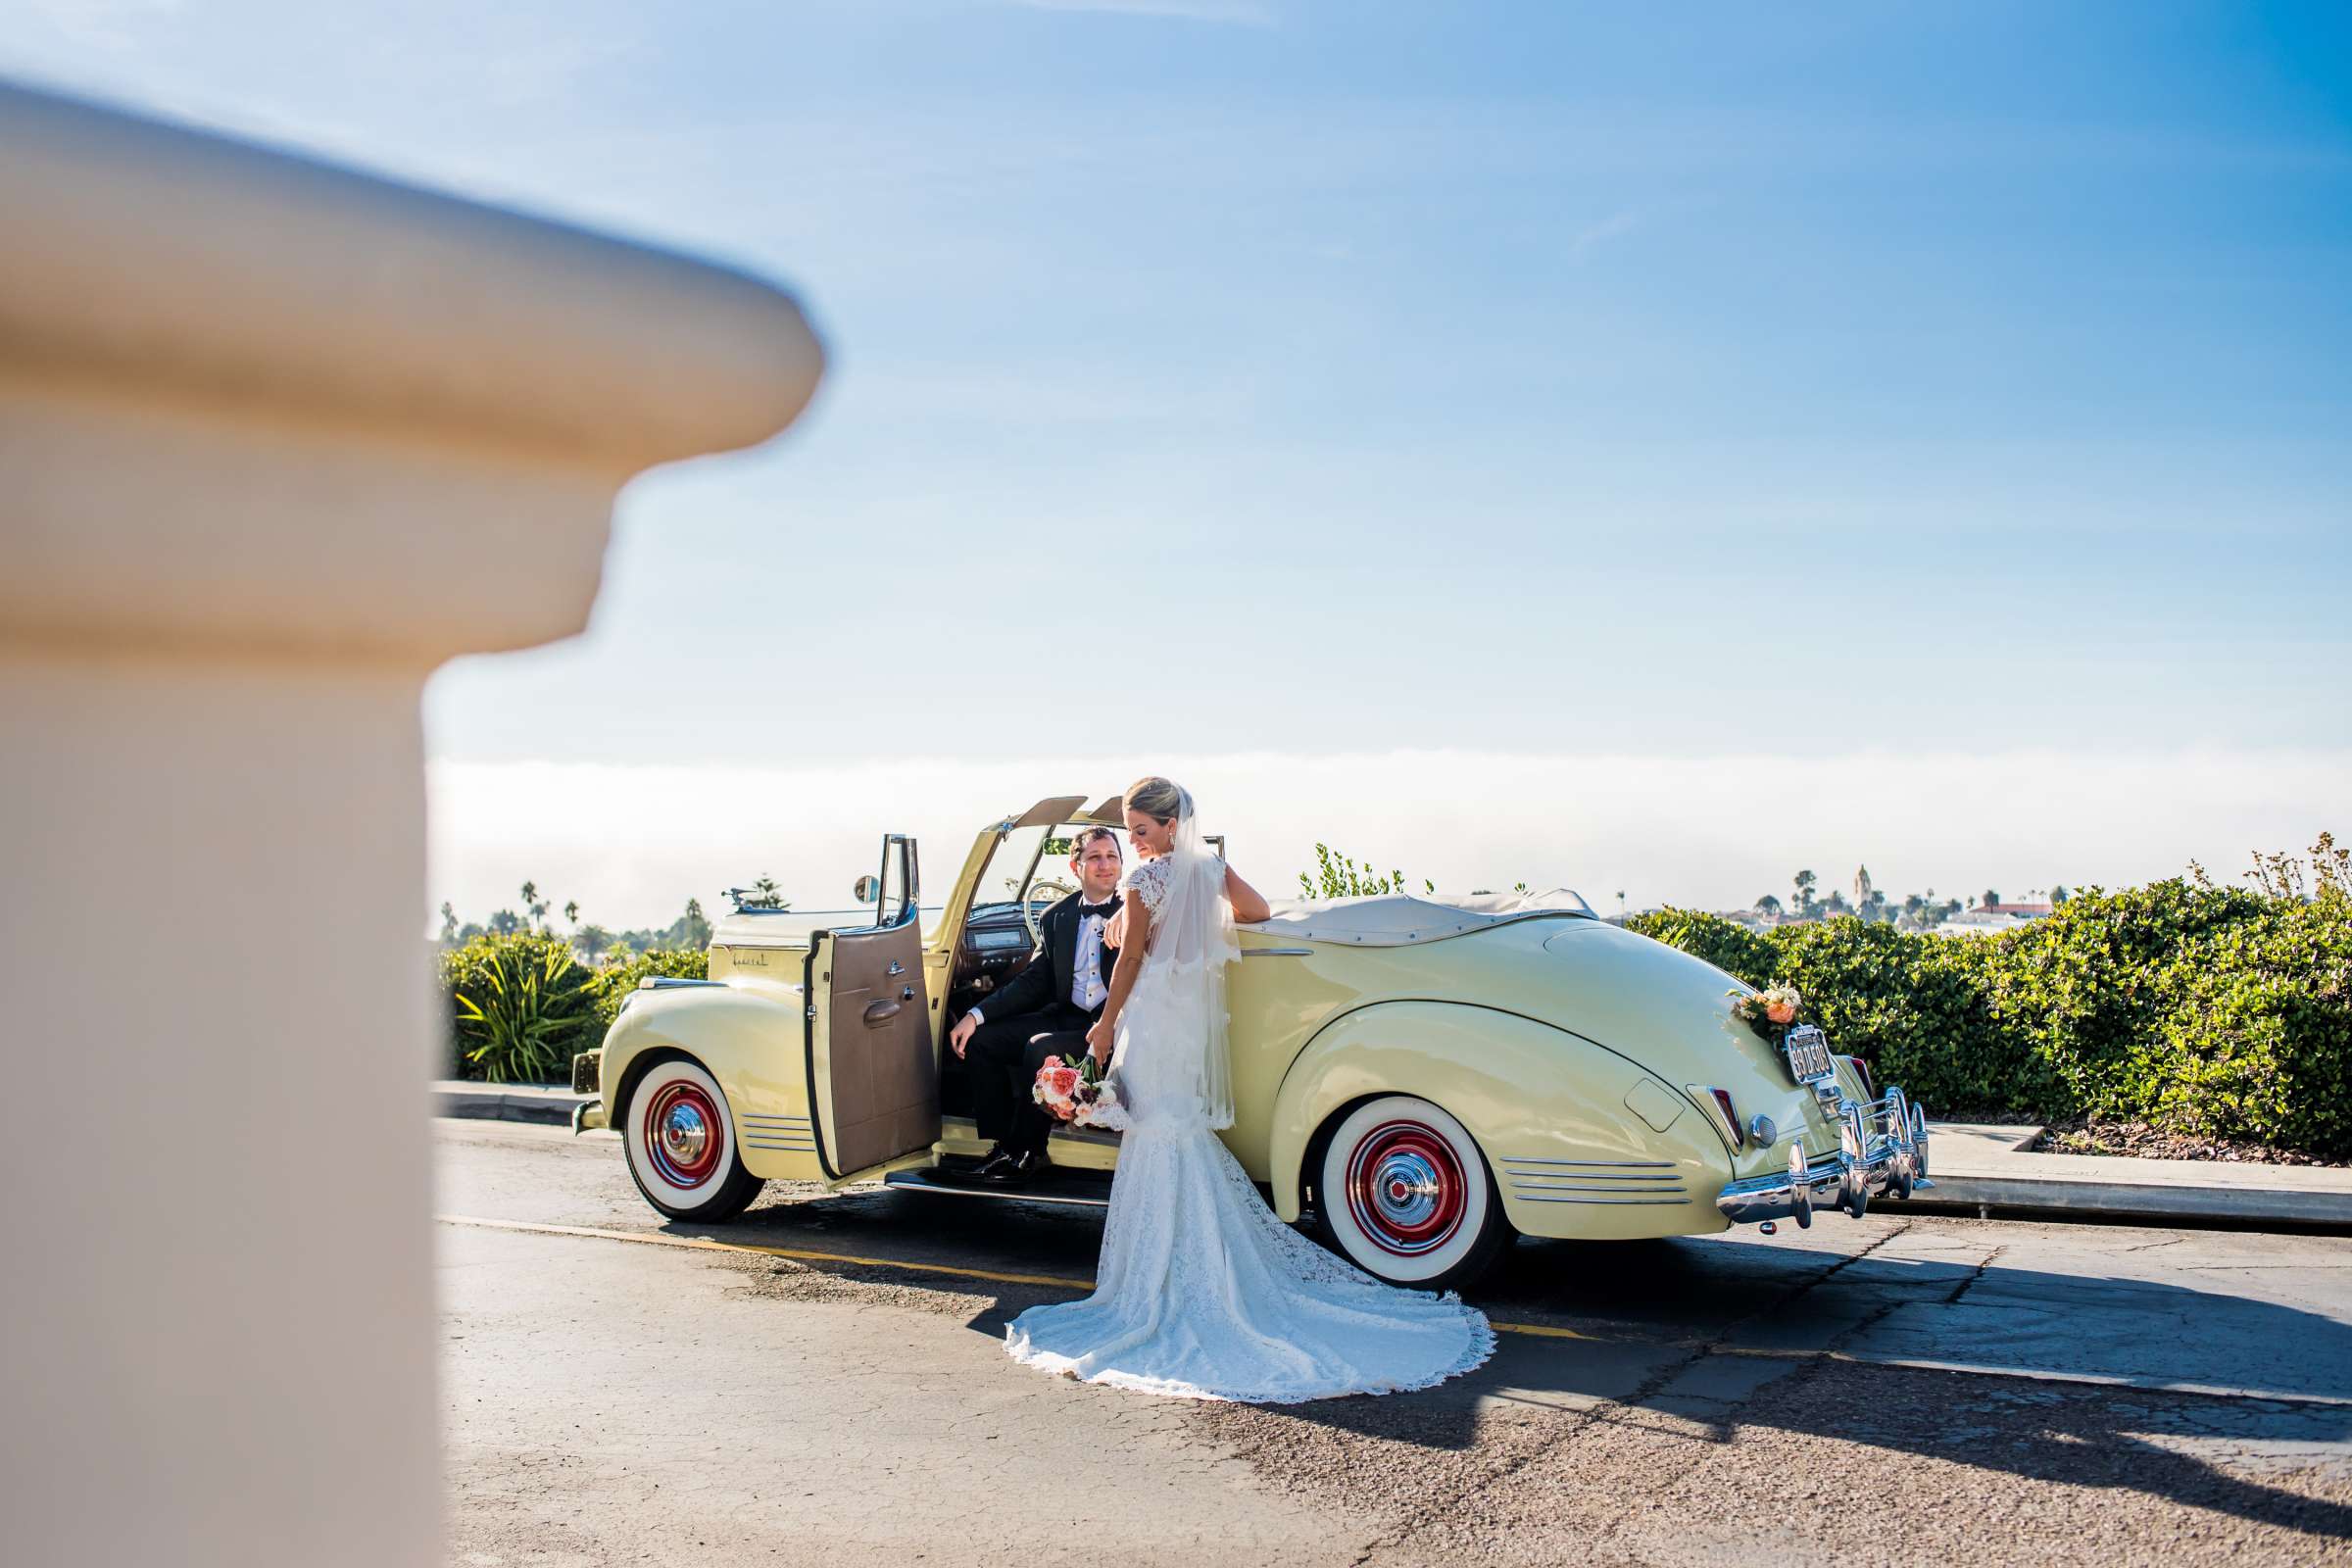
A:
(1088, 989)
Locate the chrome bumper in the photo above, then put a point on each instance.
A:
(1881, 1150)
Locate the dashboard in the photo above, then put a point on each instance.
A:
(994, 948)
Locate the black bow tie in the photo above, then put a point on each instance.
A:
(1106, 910)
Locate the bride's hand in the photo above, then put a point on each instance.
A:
(1098, 1040)
(1114, 930)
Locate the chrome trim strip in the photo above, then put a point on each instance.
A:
(1584, 1176)
(789, 1149)
(1601, 1165)
(1581, 1187)
(1278, 952)
(1530, 1198)
(671, 982)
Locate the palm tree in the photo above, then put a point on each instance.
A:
(1804, 881)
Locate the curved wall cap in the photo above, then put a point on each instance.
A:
(139, 250)
(259, 406)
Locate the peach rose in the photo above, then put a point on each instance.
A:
(1780, 1009)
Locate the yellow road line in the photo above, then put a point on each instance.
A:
(801, 1256)
(1541, 1330)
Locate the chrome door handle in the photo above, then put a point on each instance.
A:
(896, 969)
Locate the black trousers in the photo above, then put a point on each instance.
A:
(1002, 1058)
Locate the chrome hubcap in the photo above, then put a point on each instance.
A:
(1408, 1188)
(1405, 1188)
(684, 1135)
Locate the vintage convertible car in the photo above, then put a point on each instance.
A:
(1428, 1076)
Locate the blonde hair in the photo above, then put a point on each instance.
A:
(1154, 796)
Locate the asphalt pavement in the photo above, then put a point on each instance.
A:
(825, 1376)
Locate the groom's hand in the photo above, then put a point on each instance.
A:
(961, 1034)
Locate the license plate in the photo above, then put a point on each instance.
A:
(1809, 1054)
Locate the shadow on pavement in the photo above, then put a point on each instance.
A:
(1735, 1337)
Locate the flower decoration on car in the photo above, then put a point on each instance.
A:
(1771, 1013)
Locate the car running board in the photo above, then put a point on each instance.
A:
(1074, 1189)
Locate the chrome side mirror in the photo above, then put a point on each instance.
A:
(869, 889)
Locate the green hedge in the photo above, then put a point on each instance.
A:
(616, 979)
(2199, 1010)
(521, 1007)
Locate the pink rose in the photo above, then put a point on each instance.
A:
(1060, 1081)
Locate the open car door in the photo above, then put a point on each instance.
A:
(874, 1071)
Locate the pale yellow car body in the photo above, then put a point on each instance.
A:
(1558, 1041)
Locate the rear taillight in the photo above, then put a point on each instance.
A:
(1862, 1071)
(1731, 1117)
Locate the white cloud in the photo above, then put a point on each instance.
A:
(633, 843)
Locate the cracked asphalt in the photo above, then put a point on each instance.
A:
(1902, 1388)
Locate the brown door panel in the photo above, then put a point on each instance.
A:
(884, 1089)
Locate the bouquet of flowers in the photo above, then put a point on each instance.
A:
(1077, 1093)
(1771, 1013)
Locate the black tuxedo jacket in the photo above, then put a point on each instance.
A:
(1052, 973)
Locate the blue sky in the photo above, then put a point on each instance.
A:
(1621, 395)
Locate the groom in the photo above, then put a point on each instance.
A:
(1043, 1011)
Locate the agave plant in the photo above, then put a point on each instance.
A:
(522, 1006)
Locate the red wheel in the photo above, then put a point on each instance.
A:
(681, 1146)
(1405, 1188)
(1404, 1194)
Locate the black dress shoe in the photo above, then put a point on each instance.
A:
(1008, 1169)
(964, 1170)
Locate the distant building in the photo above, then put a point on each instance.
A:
(2024, 911)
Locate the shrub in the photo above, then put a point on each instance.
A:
(519, 1008)
(611, 984)
(1916, 1009)
(2259, 1042)
(2201, 1009)
(2089, 988)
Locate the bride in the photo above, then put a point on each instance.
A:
(1201, 1291)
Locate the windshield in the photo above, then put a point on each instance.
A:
(1007, 873)
(1008, 877)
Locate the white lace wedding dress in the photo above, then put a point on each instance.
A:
(1200, 1292)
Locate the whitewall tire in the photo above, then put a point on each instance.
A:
(1402, 1193)
(681, 1145)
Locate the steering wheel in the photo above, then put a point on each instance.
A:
(1054, 893)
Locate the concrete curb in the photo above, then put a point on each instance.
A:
(2237, 1206)
(1983, 1168)
(549, 1104)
